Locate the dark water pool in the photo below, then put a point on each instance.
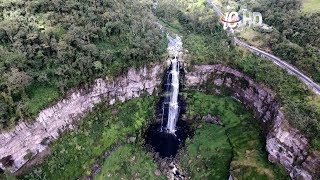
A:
(167, 145)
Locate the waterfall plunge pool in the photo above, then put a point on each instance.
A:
(167, 144)
(168, 136)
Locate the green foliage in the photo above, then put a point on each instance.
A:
(39, 96)
(214, 47)
(7, 176)
(316, 143)
(68, 43)
(28, 156)
(238, 141)
(129, 162)
(74, 153)
(202, 53)
(208, 154)
(295, 34)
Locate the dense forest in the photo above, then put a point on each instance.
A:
(49, 46)
(295, 35)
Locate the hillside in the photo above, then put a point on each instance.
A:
(47, 47)
(158, 89)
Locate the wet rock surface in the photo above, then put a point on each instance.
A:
(285, 144)
(170, 167)
(51, 122)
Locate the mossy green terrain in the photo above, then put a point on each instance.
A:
(39, 96)
(208, 154)
(237, 143)
(129, 162)
(74, 153)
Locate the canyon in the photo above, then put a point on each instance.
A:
(284, 144)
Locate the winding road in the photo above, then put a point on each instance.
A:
(292, 70)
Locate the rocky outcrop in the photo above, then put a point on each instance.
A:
(212, 119)
(28, 139)
(285, 144)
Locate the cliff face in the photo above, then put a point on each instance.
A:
(29, 139)
(285, 144)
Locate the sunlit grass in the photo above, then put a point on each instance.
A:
(311, 6)
(252, 37)
(208, 153)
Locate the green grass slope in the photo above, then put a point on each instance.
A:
(74, 153)
(238, 143)
(129, 162)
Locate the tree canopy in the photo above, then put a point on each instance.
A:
(65, 43)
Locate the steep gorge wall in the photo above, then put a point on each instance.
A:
(32, 138)
(285, 144)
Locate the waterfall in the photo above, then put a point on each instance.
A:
(174, 92)
(167, 136)
(170, 105)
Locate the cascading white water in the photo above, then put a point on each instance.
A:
(174, 92)
(167, 138)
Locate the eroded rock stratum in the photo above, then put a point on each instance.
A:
(28, 139)
(285, 144)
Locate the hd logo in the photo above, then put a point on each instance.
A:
(233, 19)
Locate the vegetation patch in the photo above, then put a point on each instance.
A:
(49, 47)
(129, 162)
(238, 143)
(74, 153)
(208, 154)
(253, 37)
(39, 96)
(311, 6)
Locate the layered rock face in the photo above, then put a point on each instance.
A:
(285, 144)
(29, 139)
